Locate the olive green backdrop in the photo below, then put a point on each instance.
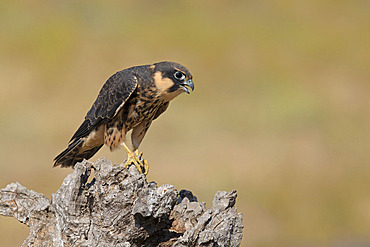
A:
(280, 110)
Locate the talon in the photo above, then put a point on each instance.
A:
(136, 159)
(146, 167)
(139, 155)
(144, 162)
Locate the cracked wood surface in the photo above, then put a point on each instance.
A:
(118, 207)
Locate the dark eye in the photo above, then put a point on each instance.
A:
(179, 75)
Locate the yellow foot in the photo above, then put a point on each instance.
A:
(136, 159)
(143, 162)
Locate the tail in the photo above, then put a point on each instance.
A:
(74, 153)
(76, 150)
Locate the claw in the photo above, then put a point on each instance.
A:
(137, 159)
(146, 166)
(144, 162)
(132, 159)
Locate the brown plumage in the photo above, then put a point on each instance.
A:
(130, 100)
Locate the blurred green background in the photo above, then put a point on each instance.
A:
(280, 110)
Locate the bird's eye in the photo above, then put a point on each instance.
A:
(179, 75)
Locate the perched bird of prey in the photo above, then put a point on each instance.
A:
(129, 100)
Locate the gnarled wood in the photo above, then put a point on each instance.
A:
(118, 207)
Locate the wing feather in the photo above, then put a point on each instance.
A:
(114, 93)
(111, 98)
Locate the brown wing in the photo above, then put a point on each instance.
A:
(111, 98)
(113, 95)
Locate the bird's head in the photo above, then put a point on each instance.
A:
(172, 79)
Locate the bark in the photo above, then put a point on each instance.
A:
(107, 205)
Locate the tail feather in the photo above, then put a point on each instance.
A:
(74, 153)
(84, 129)
(76, 150)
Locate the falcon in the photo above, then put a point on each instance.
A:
(129, 100)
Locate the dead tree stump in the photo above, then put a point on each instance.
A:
(118, 207)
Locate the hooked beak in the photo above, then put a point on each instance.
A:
(186, 84)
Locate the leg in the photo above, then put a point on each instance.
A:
(137, 136)
(134, 159)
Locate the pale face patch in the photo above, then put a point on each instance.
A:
(163, 85)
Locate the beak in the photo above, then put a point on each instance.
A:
(186, 84)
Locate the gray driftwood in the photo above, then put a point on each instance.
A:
(118, 207)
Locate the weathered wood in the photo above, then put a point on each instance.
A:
(107, 205)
